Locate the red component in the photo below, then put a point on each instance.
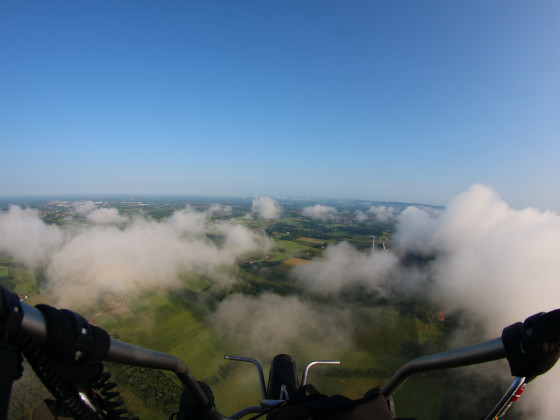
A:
(518, 394)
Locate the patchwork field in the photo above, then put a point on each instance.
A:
(293, 262)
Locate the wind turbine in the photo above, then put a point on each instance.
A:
(372, 244)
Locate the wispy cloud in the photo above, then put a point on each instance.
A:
(265, 208)
(319, 211)
(361, 216)
(85, 262)
(383, 213)
(343, 267)
(268, 324)
(25, 237)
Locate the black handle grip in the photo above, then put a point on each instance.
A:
(71, 339)
(533, 347)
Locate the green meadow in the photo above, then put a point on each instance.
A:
(17, 278)
(384, 340)
(180, 322)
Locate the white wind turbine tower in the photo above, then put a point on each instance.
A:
(372, 244)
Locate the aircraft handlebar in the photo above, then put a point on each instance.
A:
(34, 324)
(479, 353)
(531, 348)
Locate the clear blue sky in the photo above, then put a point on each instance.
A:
(383, 100)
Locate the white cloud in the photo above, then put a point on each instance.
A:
(220, 209)
(488, 253)
(500, 264)
(269, 324)
(344, 267)
(99, 215)
(319, 211)
(25, 237)
(266, 208)
(85, 262)
(383, 213)
(103, 216)
(361, 216)
(415, 230)
(84, 208)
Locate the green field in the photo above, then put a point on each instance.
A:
(291, 247)
(17, 278)
(384, 340)
(311, 241)
(160, 321)
(179, 322)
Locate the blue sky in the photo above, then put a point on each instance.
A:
(382, 100)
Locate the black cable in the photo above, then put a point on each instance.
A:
(112, 402)
(57, 386)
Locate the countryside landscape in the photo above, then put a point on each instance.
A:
(362, 181)
(267, 299)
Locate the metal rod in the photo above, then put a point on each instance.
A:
(317, 362)
(259, 368)
(130, 354)
(479, 353)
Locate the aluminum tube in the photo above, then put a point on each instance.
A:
(130, 354)
(479, 353)
(257, 364)
(317, 362)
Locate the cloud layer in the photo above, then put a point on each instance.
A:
(115, 254)
(343, 267)
(25, 237)
(499, 264)
(488, 259)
